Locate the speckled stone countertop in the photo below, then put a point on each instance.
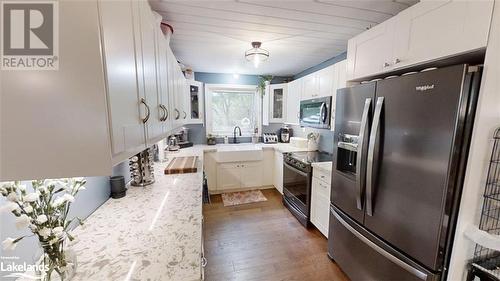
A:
(153, 233)
(326, 166)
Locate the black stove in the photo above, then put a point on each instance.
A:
(297, 177)
(303, 159)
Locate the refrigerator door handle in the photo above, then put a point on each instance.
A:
(370, 172)
(419, 274)
(364, 130)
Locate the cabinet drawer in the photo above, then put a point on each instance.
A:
(320, 187)
(322, 175)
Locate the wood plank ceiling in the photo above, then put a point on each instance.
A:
(212, 36)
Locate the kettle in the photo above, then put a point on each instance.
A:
(172, 144)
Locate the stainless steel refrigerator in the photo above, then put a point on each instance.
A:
(401, 147)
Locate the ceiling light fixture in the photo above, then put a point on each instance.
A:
(256, 54)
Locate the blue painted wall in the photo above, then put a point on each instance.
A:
(86, 202)
(322, 65)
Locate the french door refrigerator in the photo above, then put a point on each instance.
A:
(401, 149)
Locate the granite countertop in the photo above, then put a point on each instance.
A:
(153, 233)
(325, 166)
(281, 147)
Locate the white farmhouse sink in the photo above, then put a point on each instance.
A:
(238, 153)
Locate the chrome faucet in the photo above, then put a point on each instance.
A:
(234, 133)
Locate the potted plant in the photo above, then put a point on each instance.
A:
(45, 212)
(264, 81)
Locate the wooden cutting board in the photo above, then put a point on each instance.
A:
(182, 165)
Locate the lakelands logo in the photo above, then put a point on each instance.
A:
(30, 35)
(22, 270)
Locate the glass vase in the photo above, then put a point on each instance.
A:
(58, 260)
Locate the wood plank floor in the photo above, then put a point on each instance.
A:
(263, 241)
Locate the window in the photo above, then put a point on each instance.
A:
(229, 106)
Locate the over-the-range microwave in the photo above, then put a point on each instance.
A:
(315, 113)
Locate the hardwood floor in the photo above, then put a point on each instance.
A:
(263, 241)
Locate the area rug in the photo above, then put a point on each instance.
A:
(242, 197)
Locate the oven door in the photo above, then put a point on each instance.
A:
(297, 188)
(315, 113)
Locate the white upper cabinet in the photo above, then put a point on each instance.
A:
(339, 82)
(310, 87)
(437, 29)
(163, 82)
(293, 102)
(100, 107)
(326, 79)
(195, 102)
(277, 102)
(427, 31)
(371, 51)
(127, 130)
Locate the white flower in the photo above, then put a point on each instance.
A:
(12, 197)
(22, 187)
(58, 231)
(41, 219)
(58, 202)
(42, 189)
(9, 244)
(32, 197)
(28, 209)
(44, 232)
(9, 207)
(22, 221)
(68, 197)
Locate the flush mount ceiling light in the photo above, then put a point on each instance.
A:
(256, 54)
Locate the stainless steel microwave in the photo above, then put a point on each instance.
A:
(315, 113)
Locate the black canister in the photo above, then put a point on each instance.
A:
(118, 189)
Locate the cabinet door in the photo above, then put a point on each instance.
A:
(268, 168)
(162, 81)
(370, 52)
(320, 205)
(251, 174)
(309, 86)
(278, 171)
(326, 79)
(293, 102)
(153, 125)
(434, 29)
(340, 71)
(266, 115)
(228, 176)
(195, 102)
(210, 169)
(277, 102)
(127, 130)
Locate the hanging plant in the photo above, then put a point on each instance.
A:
(261, 87)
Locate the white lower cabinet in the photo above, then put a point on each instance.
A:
(278, 171)
(320, 203)
(239, 175)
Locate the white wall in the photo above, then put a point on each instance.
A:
(487, 120)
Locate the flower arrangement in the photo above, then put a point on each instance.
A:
(44, 211)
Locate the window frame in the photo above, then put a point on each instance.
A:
(210, 88)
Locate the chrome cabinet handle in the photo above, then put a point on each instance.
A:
(166, 112)
(204, 262)
(364, 130)
(370, 172)
(396, 61)
(185, 115)
(178, 114)
(386, 64)
(148, 113)
(162, 112)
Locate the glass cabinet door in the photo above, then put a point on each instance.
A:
(277, 102)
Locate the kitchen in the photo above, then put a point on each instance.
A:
(247, 140)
